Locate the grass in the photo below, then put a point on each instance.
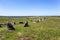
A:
(48, 29)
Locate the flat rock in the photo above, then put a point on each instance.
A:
(25, 38)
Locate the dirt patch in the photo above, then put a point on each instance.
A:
(25, 38)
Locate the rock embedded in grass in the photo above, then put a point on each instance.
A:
(19, 33)
(21, 22)
(2, 36)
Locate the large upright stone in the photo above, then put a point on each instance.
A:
(10, 26)
(0, 25)
(26, 24)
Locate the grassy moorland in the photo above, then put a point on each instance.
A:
(48, 29)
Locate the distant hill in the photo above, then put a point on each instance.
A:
(14, 16)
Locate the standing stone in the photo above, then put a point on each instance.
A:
(26, 24)
(14, 23)
(10, 26)
(0, 25)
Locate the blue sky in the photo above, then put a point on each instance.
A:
(29, 7)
